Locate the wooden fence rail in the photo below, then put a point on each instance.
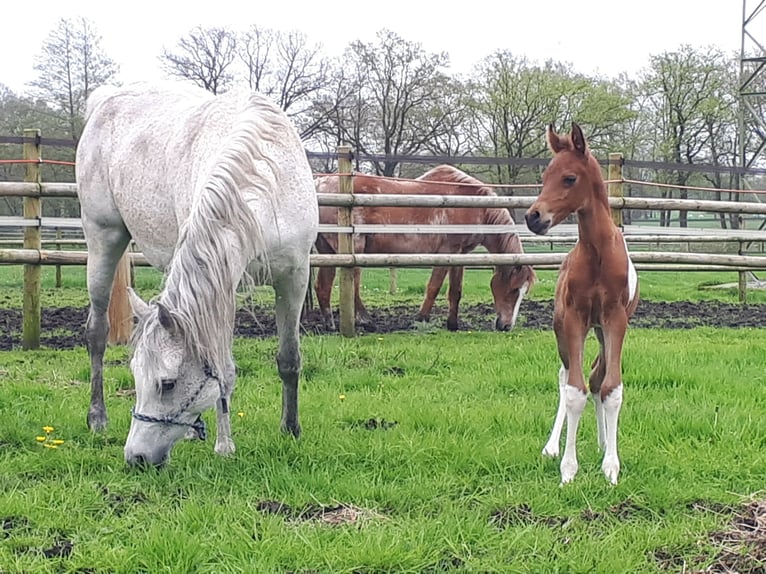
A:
(33, 256)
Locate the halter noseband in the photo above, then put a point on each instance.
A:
(198, 425)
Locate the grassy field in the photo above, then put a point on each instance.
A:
(420, 453)
(655, 286)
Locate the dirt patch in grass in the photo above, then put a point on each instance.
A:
(328, 515)
(12, 524)
(522, 515)
(741, 547)
(374, 424)
(62, 328)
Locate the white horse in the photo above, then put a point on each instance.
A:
(212, 189)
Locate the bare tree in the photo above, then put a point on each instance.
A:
(70, 66)
(686, 89)
(395, 99)
(205, 57)
(286, 67)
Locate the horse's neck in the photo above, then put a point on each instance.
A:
(594, 220)
(500, 242)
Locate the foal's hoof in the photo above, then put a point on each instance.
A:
(452, 325)
(551, 450)
(611, 469)
(568, 470)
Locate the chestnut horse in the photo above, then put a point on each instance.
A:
(509, 282)
(597, 287)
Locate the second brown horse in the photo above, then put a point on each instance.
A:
(509, 283)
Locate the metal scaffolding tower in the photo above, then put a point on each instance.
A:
(752, 91)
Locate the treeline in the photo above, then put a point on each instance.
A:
(389, 97)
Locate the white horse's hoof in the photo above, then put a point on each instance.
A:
(611, 468)
(225, 447)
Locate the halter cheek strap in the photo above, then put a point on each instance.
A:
(173, 419)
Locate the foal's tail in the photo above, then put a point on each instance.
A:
(120, 313)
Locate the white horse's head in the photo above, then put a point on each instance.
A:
(173, 385)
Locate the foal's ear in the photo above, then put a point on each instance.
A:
(166, 318)
(139, 307)
(554, 141)
(578, 139)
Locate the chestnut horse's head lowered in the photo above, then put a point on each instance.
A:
(568, 181)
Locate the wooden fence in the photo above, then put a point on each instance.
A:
(33, 256)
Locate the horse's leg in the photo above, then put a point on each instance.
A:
(454, 295)
(570, 336)
(597, 373)
(611, 391)
(289, 288)
(361, 313)
(551, 448)
(104, 251)
(432, 291)
(323, 288)
(224, 445)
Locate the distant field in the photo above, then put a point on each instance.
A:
(655, 286)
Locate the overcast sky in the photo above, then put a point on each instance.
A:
(595, 36)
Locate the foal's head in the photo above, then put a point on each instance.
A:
(568, 182)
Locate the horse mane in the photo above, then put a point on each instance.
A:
(218, 239)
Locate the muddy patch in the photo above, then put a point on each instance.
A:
(62, 328)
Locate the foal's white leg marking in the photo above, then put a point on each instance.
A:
(522, 292)
(632, 275)
(611, 464)
(600, 423)
(552, 446)
(575, 403)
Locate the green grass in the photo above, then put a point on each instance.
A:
(655, 286)
(457, 484)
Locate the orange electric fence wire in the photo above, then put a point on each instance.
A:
(49, 161)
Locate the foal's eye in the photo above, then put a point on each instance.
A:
(570, 180)
(168, 384)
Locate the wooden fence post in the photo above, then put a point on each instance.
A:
(347, 311)
(392, 281)
(32, 210)
(615, 189)
(58, 267)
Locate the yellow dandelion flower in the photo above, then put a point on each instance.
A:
(48, 429)
(40, 438)
(58, 441)
(342, 397)
(380, 338)
(46, 445)
(240, 414)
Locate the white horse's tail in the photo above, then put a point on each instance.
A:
(120, 313)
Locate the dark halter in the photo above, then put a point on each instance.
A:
(198, 425)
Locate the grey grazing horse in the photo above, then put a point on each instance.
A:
(213, 189)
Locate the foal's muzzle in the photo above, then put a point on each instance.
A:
(535, 223)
